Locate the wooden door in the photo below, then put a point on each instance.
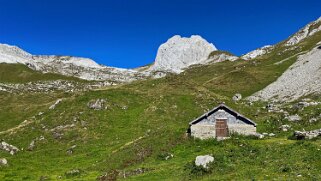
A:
(221, 128)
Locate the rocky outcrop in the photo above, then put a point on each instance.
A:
(302, 78)
(288, 44)
(285, 127)
(173, 56)
(98, 104)
(258, 52)
(220, 56)
(305, 32)
(9, 148)
(204, 160)
(179, 53)
(300, 135)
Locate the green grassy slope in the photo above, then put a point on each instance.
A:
(18, 73)
(148, 119)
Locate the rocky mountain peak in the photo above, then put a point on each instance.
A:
(305, 32)
(180, 52)
(13, 54)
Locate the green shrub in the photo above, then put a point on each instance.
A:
(195, 170)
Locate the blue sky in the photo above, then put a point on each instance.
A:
(127, 33)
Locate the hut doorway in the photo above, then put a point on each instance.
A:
(221, 128)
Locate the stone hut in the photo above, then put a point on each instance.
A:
(220, 122)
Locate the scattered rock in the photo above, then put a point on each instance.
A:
(32, 145)
(169, 157)
(57, 135)
(3, 162)
(273, 108)
(55, 104)
(237, 97)
(304, 104)
(285, 127)
(83, 123)
(294, 118)
(271, 134)
(41, 138)
(114, 174)
(73, 173)
(258, 135)
(130, 173)
(313, 120)
(43, 178)
(302, 78)
(71, 149)
(165, 156)
(204, 160)
(9, 148)
(97, 104)
(62, 127)
(300, 135)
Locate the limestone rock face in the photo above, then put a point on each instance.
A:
(83, 68)
(180, 52)
(258, 52)
(204, 160)
(305, 32)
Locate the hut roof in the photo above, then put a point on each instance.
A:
(227, 109)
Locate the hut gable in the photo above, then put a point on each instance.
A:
(221, 121)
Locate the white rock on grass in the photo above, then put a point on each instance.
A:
(313, 120)
(237, 97)
(271, 134)
(285, 127)
(258, 135)
(204, 160)
(294, 118)
(9, 148)
(55, 104)
(97, 104)
(3, 162)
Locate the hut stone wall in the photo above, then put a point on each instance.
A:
(205, 128)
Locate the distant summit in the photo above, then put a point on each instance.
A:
(290, 43)
(181, 52)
